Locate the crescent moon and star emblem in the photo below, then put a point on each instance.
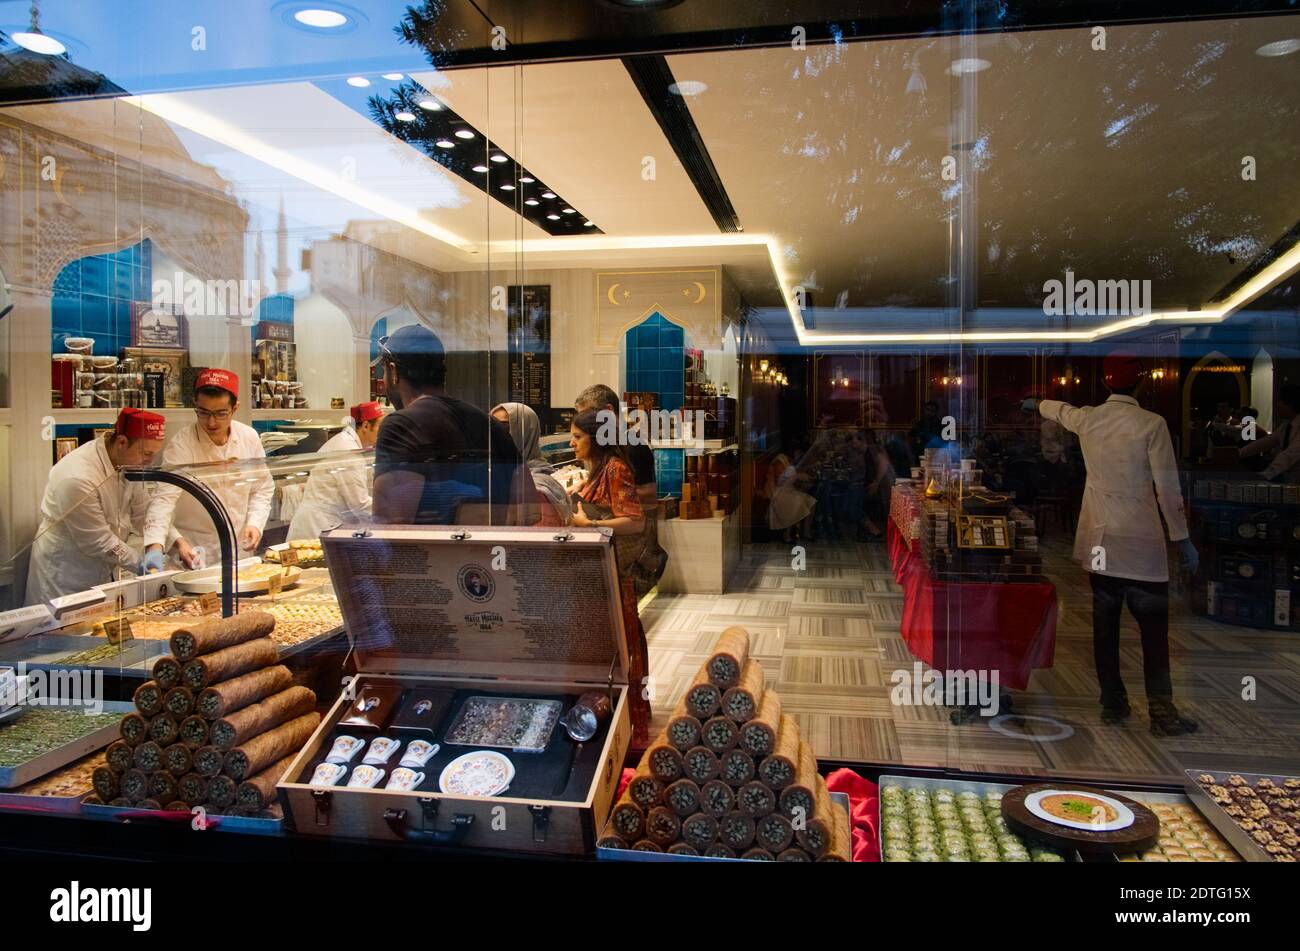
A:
(610, 293)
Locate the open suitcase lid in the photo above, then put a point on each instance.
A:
(498, 603)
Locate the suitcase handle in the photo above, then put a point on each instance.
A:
(397, 822)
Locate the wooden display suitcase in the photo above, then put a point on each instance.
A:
(475, 612)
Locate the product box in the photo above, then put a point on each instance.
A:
(485, 619)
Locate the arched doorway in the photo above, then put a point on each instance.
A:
(1214, 378)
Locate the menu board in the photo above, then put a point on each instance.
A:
(530, 346)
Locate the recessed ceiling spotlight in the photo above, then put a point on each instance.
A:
(507, 187)
(359, 81)
(548, 194)
(589, 224)
(961, 67)
(39, 43)
(527, 179)
(393, 77)
(480, 168)
(463, 134)
(431, 104)
(499, 158)
(1276, 48)
(531, 201)
(687, 87)
(321, 19)
(445, 144)
(568, 211)
(404, 116)
(554, 217)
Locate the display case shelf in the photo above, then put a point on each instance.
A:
(326, 413)
(91, 417)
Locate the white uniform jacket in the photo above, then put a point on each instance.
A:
(337, 491)
(1126, 449)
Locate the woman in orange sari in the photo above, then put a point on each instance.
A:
(608, 500)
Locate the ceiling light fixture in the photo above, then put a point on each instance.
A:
(37, 42)
(553, 217)
(527, 179)
(960, 67)
(499, 158)
(431, 104)
(531, 201)
(404, 116)
(507, 187)
(463, 134)
(1278, 48)
(589, 224)
(445, 144)
(359, 81)
(687, 87)
(568, 211)
(548, 194)
(320, 19)
(392, 77)
(480, 168)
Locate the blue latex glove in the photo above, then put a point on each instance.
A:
(1191, 558)
(1029, 405)
(153, 560)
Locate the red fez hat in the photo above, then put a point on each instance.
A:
(364, 411)
(222, 379)
(137, 424)
(1121, 370)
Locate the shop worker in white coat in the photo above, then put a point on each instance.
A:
(338, 491)
(1119, 538)
(176, 523)
(90, 511)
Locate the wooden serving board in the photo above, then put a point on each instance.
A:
(1138, 837)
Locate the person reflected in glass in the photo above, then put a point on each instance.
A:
(608, 499)
(551, 506)
(1282, 448)
(338, 490)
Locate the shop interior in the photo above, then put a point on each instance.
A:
(827, 257)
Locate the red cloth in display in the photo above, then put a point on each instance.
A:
(1010, 628)
(864, 812)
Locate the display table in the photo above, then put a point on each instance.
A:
(1010, 628)
(701, 553)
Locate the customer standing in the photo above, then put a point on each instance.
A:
(552, 508)
(608, 499)
(1284, 445)
(1120, 540)
(438, 460)
(177, 523)
(338, 490)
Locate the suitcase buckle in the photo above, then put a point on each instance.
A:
(563, 537)
(364, 533)
(541, 816)
(459, 536)
(323, 799)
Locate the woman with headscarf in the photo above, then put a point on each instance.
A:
(552, 507)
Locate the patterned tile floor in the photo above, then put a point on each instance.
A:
(828, 639)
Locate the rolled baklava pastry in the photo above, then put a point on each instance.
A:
(164, 729)
(719, 734)
(773, 832)
(152, 805)
(162, 786)
(179, 702)
(167, 673)
(662, 826)
(758, 736)
(257, 793)
(208, 761)
(178, 759)
(627, 820)
(176, 806)
(644, 790)
(194, 732)
(719, 851)
(106, 783)
(736, 831)
(249, 721)
(727, 662)
(683, 729)
(815, 836)
(681, 848)
(665, 762)
(228, 663)
(759, 855)
(120, 756)
(800, 797)
(702, 698)
(841, 849)
(736, 767)
(700, 830)
(148, 698)
(742, 701)
(262, 751)
(134, 785)
(755, 799)
(700, 764)
(207, 637)
(794, 855)
(683, 798)
(225, 698)
(148, 757)
(134, 729)
(645, 845)
(779, 769)
(717, 798)
(611, 842)
(221, 791)
(192, 788)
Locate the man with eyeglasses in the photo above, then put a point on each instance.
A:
(176, 523)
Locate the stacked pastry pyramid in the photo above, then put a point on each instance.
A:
(730, 777)
(216, 727)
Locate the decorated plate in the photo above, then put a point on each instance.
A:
(481, 773)
(1088, 811)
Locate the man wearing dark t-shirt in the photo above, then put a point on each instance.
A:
(438, 460)
(639, 454)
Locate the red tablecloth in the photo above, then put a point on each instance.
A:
(1010, 628)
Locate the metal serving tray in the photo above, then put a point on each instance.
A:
(1237, 837)
(12, 776)
(957, 786)
(632, 855)
(46, 805)
(1172, 799)
(44, 650)
(248, 825)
